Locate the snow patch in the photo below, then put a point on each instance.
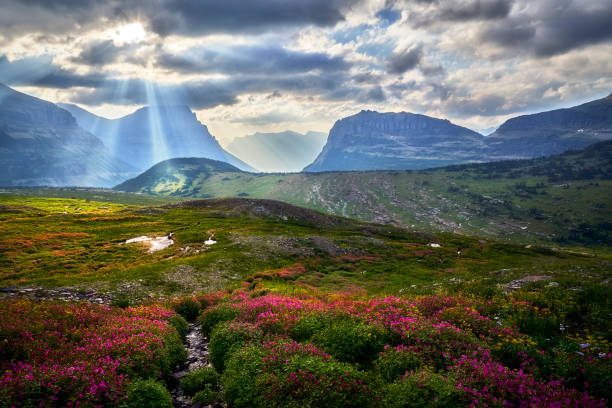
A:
(155, 243)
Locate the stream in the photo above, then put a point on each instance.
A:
(197, 356)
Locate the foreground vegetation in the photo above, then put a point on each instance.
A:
(301, 309)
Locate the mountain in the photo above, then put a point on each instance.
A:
(566, 198)
(42, 144)
(396, 141)
(552, 132)
(176, 176)
(155, 133)
(278, 152)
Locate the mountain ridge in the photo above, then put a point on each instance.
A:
(155, 133)
(371, 140)
(42, 144)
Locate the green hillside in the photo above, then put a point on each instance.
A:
(565, 199)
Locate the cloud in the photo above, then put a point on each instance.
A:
(424, 13)
(400, 62)
(165, 17)
(258, 59)
(267, 118)
(40, 71)
(99, 53)
(553, 28)
(191, 18)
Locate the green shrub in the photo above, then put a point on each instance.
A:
(148, 394)
(122, 300)
(395, 362)
(228, 335)
(166, 358)
(180, 325)
(537, 326)
(308, 325)
(238, 379)
(213, 316)
(206, 397)
(253, 378)
(199, 380)
(352, 341)
(188, 308)
(422, 389)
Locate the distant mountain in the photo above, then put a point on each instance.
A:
(552, 132)
(278, 152)
(396, 141)
(176, 176)
(42, 144)
(155, 133)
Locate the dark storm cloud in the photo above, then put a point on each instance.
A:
(197, 95)
(423, 13)
(99, 53)
(250, 60)
(474, 10)
(374, 94)
(554, 28)
(165, 17)
(400, 62)
(195, 18)
(40, 71)
(208, 93)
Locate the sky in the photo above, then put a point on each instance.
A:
(272, 65)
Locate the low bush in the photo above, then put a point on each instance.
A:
(206, 397)
(395, 362)
(188, 308)
(199, 380)
(351, 341)
(180, 324)
(228, 335)
(215, 315)
(148, 394)
(422, 389)
(289, 374)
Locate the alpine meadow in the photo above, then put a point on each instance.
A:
(322, 203)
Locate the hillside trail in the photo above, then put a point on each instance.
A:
(197, 357)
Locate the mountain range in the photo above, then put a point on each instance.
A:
(399, 141)
(155, 133)
(278, 152)
(42, 144)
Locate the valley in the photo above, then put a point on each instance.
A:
(563, 199)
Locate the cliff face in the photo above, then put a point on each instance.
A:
(41, 144)
(376, 141)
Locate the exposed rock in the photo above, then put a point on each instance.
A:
(519, 283)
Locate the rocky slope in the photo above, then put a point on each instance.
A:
(42, 144)
(156, 133)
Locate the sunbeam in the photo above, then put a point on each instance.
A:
(159, 150)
